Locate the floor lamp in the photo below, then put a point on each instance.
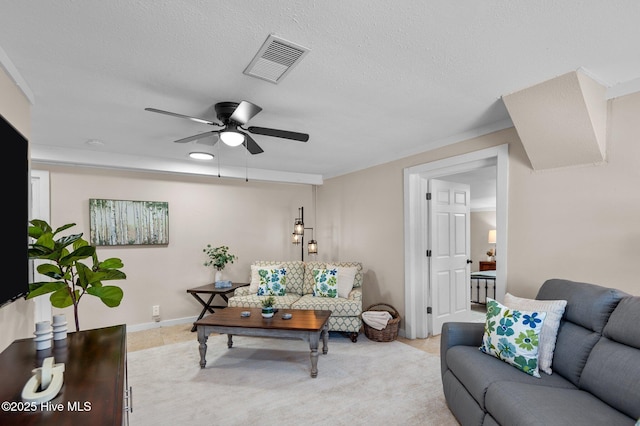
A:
(298, 235)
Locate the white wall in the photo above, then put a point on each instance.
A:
(255, 219)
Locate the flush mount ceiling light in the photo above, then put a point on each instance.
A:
(201, 156)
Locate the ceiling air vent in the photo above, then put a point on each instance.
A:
(275, 59)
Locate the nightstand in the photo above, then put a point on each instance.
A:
(487, 266)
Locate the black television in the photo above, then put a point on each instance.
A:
(15, 175)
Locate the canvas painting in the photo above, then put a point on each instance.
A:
(119, 223)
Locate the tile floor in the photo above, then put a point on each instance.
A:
(139, 340)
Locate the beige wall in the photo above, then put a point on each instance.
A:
(17, 318)
(576, 223)
(254, 219)
(361, 214)
(580, 223)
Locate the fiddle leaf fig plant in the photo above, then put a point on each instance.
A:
(72, 278)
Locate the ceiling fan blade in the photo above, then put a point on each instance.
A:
(251, 145)
(198, 136)
(301, 137)
(196, 119)
(244, 112)
(210, 141)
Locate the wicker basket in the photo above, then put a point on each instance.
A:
(387, 334)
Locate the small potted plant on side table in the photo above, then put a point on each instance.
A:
(267, 306)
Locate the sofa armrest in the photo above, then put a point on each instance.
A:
(241, 291)
(457, 334)
(355, 294)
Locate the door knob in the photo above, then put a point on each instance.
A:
(469, 261)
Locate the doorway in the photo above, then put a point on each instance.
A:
(418, 286)
(40, 210)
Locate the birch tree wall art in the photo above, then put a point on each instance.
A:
(119, 223)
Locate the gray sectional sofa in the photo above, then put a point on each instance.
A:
(596, 366)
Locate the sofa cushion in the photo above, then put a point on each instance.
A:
(346, 278)
(359, 279)
(612, 371)
(549, 332)
(512, 336)
(588, 309)
(477, 371)
(273, 281)
(255, 277)
(530, 405)
(295, 273)
(573, 345)
(338, 306)
(588, 305)
(308, 282)
(624, 324)
(326, 282)
(310, 266)
(255, 301)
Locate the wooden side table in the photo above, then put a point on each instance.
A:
(213, 291)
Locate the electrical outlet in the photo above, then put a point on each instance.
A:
(156, 310)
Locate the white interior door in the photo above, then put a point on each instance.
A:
(449, 242)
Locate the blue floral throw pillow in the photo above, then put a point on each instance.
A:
(272, 282)
(325, 282)
(512, 336)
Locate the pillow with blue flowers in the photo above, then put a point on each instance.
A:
(325, 282)
(512, 335)
(273, 281)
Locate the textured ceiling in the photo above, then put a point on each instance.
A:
(383, 79)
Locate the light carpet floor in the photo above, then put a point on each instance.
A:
(268, 381)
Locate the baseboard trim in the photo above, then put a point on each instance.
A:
(164, 323)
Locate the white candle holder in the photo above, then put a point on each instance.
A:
(43, 335)
(59, 327)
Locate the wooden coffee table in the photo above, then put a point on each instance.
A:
(304, 324)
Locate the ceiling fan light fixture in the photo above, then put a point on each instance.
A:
(232, 138)
(201, 156)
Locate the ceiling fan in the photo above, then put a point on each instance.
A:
(234, 116)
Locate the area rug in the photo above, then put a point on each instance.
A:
(263, 380)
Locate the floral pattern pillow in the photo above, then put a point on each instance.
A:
(512, 336)
(273, 282)
(325, 282)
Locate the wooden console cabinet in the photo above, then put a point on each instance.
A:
(95, 390)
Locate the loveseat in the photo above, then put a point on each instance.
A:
(595, 376)
(299, 293)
